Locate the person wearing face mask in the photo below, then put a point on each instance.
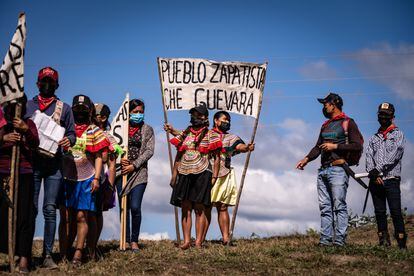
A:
(224, 191)
(193, 173)
(82, 168)
(141, 144)
(335, 144)
(22, 132)
(383, 163)
(106, 193)
(47, 169)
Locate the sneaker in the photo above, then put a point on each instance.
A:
(49, 263)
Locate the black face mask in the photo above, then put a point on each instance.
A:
(384, 121)
(224, 126)
(47, 89)
(197, 122)
(81, 117)
(325, 113)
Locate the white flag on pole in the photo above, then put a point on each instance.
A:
(12, 69)
(119, 125)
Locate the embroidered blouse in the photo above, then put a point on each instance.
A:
(230, 142)
(78, 162)
(195, 159)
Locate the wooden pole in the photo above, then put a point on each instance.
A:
(177, 225)
(246, 165)
(123, 203)
(14, 192)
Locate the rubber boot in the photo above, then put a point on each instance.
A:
(384, 239)
(402, 240)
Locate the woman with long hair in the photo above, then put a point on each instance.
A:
(194, 174)
(224, 191)
(141, 144)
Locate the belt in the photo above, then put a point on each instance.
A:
(337, 162)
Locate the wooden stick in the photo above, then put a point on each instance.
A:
(14, 192)
(123, 203)
(246, 165)
(177, 224)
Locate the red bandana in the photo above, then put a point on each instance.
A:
(388, 130)
(132, 131)
(197, 132)
(338, 117)
(80, 129)
(44, 102)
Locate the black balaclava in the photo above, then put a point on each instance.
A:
(197, 122)
(385, 120)
(81, 116)
(47, 87)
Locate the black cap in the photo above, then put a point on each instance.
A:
(82, 100)
(202, 109)
(102, 109)
(332, 98)
(386, 109)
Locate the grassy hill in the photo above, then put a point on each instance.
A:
(294, 254)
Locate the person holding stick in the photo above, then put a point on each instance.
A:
(224, 191)
(193, 174)
(335, 143)
(383, 163)
(47, 168)
(141, 144)
(82, 169)
(24, 133)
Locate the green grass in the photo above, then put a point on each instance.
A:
(295, 254)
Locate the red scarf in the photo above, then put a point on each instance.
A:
(44, 103)
(388, 130)
(337, 117)
(196, 132)
(80, 129)
(132, 131)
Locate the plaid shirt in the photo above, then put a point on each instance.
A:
(385, 153)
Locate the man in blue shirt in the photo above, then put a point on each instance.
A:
(383, 163)
(48, 168)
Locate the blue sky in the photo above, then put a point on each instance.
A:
(361, 49)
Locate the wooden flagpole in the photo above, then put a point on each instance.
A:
(246, 165)
(123, 203)
(14, 192)
(177, 225)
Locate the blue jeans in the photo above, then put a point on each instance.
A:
(134, 202)
(52, 184)
(332, 188)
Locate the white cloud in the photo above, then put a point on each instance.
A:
(317, 70)
(155, 236)
(395, 62)
(277, 198)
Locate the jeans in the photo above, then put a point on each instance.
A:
(332, 188)
(52, 183)
(389, 192)
(134, 201)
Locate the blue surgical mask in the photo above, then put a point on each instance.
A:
(136, 118)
